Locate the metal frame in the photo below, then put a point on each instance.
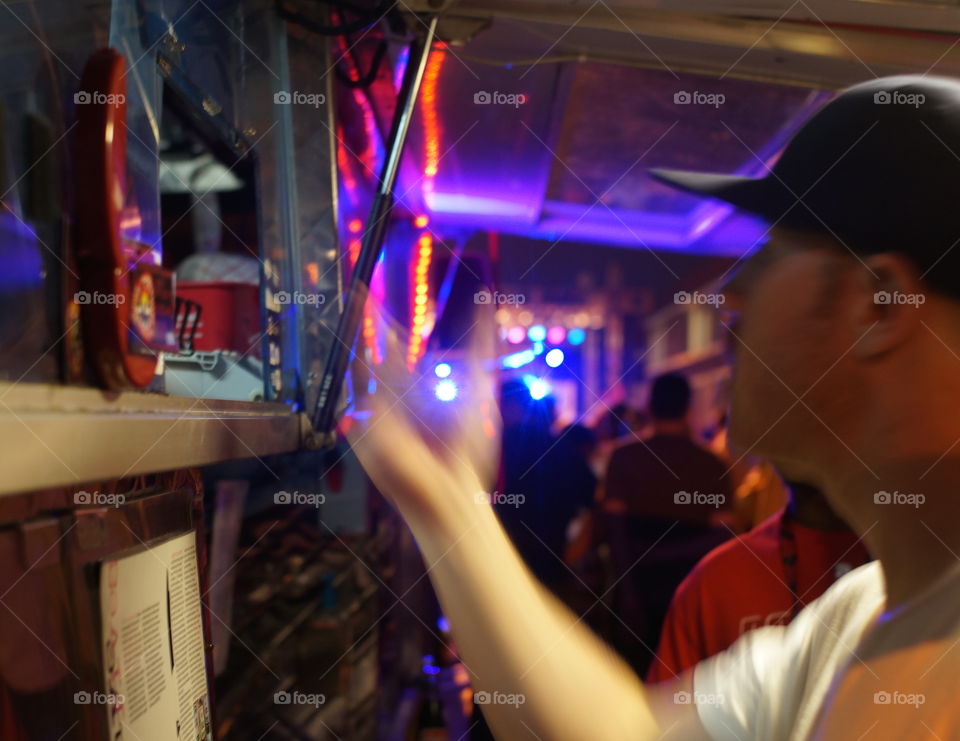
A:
(324, 414)
(794, 48)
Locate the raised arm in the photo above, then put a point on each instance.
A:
(548, 675)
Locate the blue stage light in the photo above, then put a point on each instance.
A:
(537, 386)
(555, 357)
(446, 390)
(517, 359)
(537, 333)
(442, 370)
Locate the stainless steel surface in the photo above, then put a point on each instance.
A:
(599, 80)
(56, 435)
(824, 43)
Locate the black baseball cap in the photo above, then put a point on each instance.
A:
(878, 167)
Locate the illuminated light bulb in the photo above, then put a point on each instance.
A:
(445, 390)
(421, 221)
(537, 333)
(442, 370)
(518, 359)
(554, 357)
(515, 335)
(538, 388)
(355, 226)
(576, 336)
(556, 335)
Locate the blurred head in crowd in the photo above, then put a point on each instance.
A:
(514, 401)
(579, 438)
(670, 398)
(519, 409)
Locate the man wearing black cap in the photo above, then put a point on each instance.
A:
(847, 333)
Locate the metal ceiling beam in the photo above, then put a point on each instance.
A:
(798, 49)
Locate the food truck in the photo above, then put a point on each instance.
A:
(217, 213)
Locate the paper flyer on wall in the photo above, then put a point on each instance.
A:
(153, 647)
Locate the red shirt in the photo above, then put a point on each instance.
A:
(744, 584)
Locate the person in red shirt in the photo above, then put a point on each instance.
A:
(764, 577)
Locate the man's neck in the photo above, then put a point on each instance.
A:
(808, 507)
(906, 513)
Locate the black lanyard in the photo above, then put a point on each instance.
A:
(788, 558)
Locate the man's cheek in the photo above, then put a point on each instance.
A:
(761, 389)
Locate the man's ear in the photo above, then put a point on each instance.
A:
(889, 304)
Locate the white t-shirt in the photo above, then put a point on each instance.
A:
(843, 669)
